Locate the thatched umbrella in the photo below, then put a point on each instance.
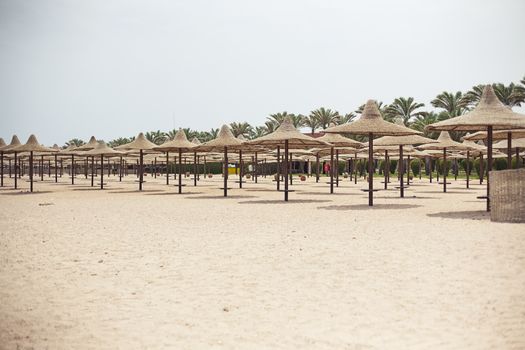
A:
(70, 151)
(443, 143)
(92, 143)
(11, 148)
(31, 146)
(288, 136)
(475, 149)
(336, 140)
(142, 145)
(222, 143)
(181, 144)
(196, 175)
(371, 124)
(102, 150)
(517, 143)
(401, 141)
(2, 145)
(489, 114)
(508, 135)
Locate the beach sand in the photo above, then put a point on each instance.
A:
(82, 268)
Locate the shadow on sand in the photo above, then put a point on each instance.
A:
(20, 193)
(171, 193)
(367, 207)
(135, 191)
(281, 201)
(472, 215)
(327, 193)
(221, 197)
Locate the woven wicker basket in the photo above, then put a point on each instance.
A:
(507, 195)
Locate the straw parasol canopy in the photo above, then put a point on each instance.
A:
(489, 114)
(15, 142)
(445, 142)
(224, 141)
(372, 124)
(180, 144)
(102, 149)
(196, 141)
(2, 143)
(140, 144)
(92, 143)
(497, 135)
(288, 136)
(31, 146)
(516, 143)
(371, 121)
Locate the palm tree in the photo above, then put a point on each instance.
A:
(452, 103)
(325, 117)
(404, 108)
(157, 137)
(422, 120)
(311, 122)
(297, 120)
(75, 142)
(277, 118)
(512, 95)
(270, 126)
(119, 141)
(258, 131)
(240, 129)
(347, 118)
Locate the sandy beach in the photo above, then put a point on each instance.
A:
(83, 268)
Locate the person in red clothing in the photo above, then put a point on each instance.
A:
(326, 168)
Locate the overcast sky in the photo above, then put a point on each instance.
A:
(113, 68)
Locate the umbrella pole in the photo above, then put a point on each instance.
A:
(204, 170)
(444, 169)
(408, 170)
(240, 168)
(49, 168)
(336, 168)
(455, 169)
(278, 168)
(92, 171)
(509, 150)
(225, 172)
(72, 169)
(101, 172)
(385, 169)
(141, 169)
(255, 168)
(370, 169)
(180, 170)
(355, 168)
(286, 170)
(31, 170)
(468, 168)
(331, 170)
(517, 157)
(489, 163)
(2, 169)
(481, 170)
(290, 168)
(419, 160)
(194, 168)
(120, 170)
(61, 167)
(56, 169)
(430, 169)
(401, 173)
(317, 165)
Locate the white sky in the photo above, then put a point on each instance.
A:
(113, 68)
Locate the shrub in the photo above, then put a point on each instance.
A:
(414, 165)
(393, 166)
(500, 163)
(440, 163)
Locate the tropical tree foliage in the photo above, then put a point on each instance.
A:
(325, 117)
(243, 129)
(511, 95)
(404, 108)
(453, 103)
(157, 137)
(75, 142)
